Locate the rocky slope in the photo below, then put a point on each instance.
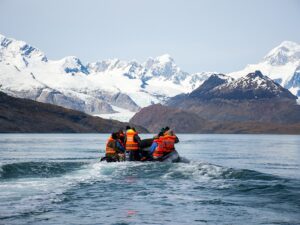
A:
(253, 97)
(251, 104)
(182, 121)
(23, 115)
(252, 86)
(156, 116)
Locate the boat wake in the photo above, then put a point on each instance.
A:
(37, 169)
(40, 185)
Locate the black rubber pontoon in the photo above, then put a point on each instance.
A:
(171, 157)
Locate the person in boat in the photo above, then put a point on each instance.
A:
(161, 132)
(121, 137)
(114, 150)
(164, 144)
(132, 144)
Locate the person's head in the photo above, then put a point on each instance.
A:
(162, 130)
(160, 134)
(121, 131)
(128, 128)
(114, 135)
(167, 128)
(169, 132)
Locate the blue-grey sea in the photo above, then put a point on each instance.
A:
(229, 179)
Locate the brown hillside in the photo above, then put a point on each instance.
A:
(23, 115)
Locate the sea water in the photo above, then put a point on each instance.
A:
(229, 179)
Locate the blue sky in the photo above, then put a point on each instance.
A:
(210, 35)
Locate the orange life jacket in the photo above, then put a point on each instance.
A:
(169, 143)
(165, 145)
(110, 146)
(158, 152)
(130, 144)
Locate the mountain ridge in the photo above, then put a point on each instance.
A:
(103, 87)
(25, 71)
(251, 104)
(254, 97)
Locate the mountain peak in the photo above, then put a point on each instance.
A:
(256, 74)
(165, 58)
(164, 66)
(162, 60)
(289, 44)
(255, 86)
(72, 64)
(212, 82)
(2, 37)
(19, 52)
(284, 53)
(4, 41)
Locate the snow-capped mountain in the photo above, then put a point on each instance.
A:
(252, 103)
(286, 52)
(214, 81)
(280, 64)
(19, 53)
(115, 88)
(252, 86)
(105, 87)
(164, 67)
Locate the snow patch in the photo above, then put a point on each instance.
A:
(122, 115)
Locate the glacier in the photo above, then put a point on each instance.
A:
(105, 88)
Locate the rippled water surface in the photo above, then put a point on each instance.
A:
(230, 179)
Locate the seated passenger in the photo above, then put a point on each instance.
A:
(121, 137)
(169, 132)
(164, 144)
(161, 133)
(132, 144)
(114, 150)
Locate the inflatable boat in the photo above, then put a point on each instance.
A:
(172, 157)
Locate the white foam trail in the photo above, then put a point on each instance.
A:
(31, 194)
(196, 171)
